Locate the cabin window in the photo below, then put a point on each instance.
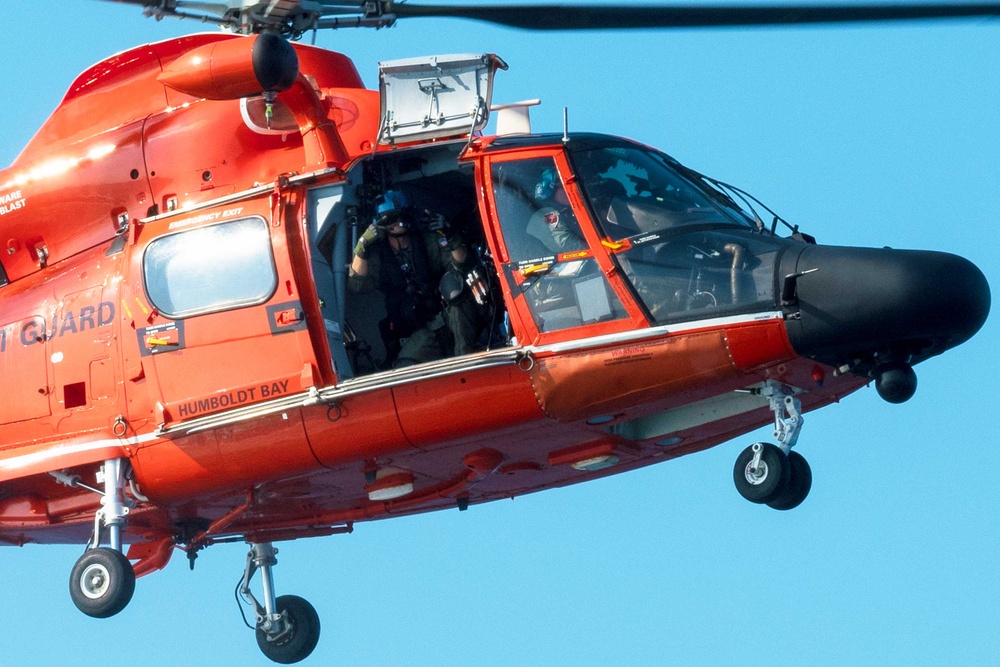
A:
(563, 283)
(208, 269)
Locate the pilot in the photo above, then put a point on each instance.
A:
(553, 223)
(407, 265)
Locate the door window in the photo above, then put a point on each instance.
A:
(548, 257)
(211, 268)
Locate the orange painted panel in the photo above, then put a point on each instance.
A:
(59, 325)
(759, 344)
(360, 428)
(83, 188)
(437, 410)
(221, 158)
(576, 385)
(28, 364)
(230, 457)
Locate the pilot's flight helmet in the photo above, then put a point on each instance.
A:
(547, 184)
(391, 207)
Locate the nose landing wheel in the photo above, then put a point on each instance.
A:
(797, 487)
(766, 475)
(761, 472)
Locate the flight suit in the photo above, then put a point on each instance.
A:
(419, 326)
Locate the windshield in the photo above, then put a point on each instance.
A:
(679, 238)
(633, 190)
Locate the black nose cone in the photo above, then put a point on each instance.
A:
(861, 303)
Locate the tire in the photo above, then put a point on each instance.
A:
(771, 480)
(102, 582)
(302, 639)
(799, 483)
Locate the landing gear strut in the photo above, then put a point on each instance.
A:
(102, 581)
(287, 627)
(774, 475)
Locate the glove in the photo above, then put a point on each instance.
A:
(368, 239)
(435, 222)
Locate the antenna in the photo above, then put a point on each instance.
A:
(565, 125)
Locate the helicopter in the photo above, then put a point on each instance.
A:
(677, 288)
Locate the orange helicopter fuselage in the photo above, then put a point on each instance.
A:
(234, 419)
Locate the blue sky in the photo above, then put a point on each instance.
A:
(869, 136)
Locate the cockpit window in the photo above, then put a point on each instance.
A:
(636, 191)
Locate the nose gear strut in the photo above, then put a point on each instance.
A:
(782, 400)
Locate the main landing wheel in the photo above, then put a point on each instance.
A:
(761, 478)
(102, 582)
(300, 634)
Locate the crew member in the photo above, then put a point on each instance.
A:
(407, 265)
(553, 223)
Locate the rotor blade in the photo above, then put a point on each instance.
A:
(612, 17)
